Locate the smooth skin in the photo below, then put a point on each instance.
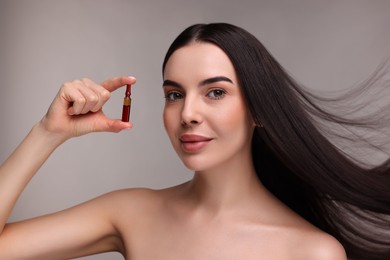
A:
(224, 212)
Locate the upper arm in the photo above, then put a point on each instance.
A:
(81, 230)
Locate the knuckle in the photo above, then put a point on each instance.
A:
(66, 85)
(77, 82)
(85, 80)
(93, 99)
(81, 100)
(105, 94)
(70, 85)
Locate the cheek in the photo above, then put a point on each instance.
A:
(235, 125)
(234, 117)
(171, 123)
(169, 120)
(166, 120)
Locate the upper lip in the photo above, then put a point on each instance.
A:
(193, 138)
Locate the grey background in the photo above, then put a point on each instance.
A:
(323, 44)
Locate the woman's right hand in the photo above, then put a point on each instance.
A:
(77, 108)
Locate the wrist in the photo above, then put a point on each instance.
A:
(53, 139)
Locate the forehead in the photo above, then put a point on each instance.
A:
(199, 60)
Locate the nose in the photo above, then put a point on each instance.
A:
(191, 113)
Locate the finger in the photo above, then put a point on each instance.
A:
(70, 92)
(91, 99)
(95, 96)
(102, 94)
(117, 82)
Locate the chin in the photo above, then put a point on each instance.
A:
(193, 166)
(198, 163)
(192, 163)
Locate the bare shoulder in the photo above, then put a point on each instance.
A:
(315, 244)
(138, 201)
(137, 212)
(142, 194)
(133, 198)
(132, 194)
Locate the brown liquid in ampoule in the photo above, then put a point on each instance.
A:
(126, 105)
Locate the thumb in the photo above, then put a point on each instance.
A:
(115, 126)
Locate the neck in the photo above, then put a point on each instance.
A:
(226, 187)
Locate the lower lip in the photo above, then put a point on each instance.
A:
(194, 146)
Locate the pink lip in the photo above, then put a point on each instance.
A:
(193, 143)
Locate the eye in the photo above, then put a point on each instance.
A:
(172, 96)
(216, 93)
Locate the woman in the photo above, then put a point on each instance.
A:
(267, 184)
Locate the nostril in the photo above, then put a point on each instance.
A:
(189, 123)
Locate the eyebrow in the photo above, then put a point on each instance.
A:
(172, 83)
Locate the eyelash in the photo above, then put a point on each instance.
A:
(169, 98)
(173, 95)
(222, 93)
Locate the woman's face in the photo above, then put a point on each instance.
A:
(205, 115)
